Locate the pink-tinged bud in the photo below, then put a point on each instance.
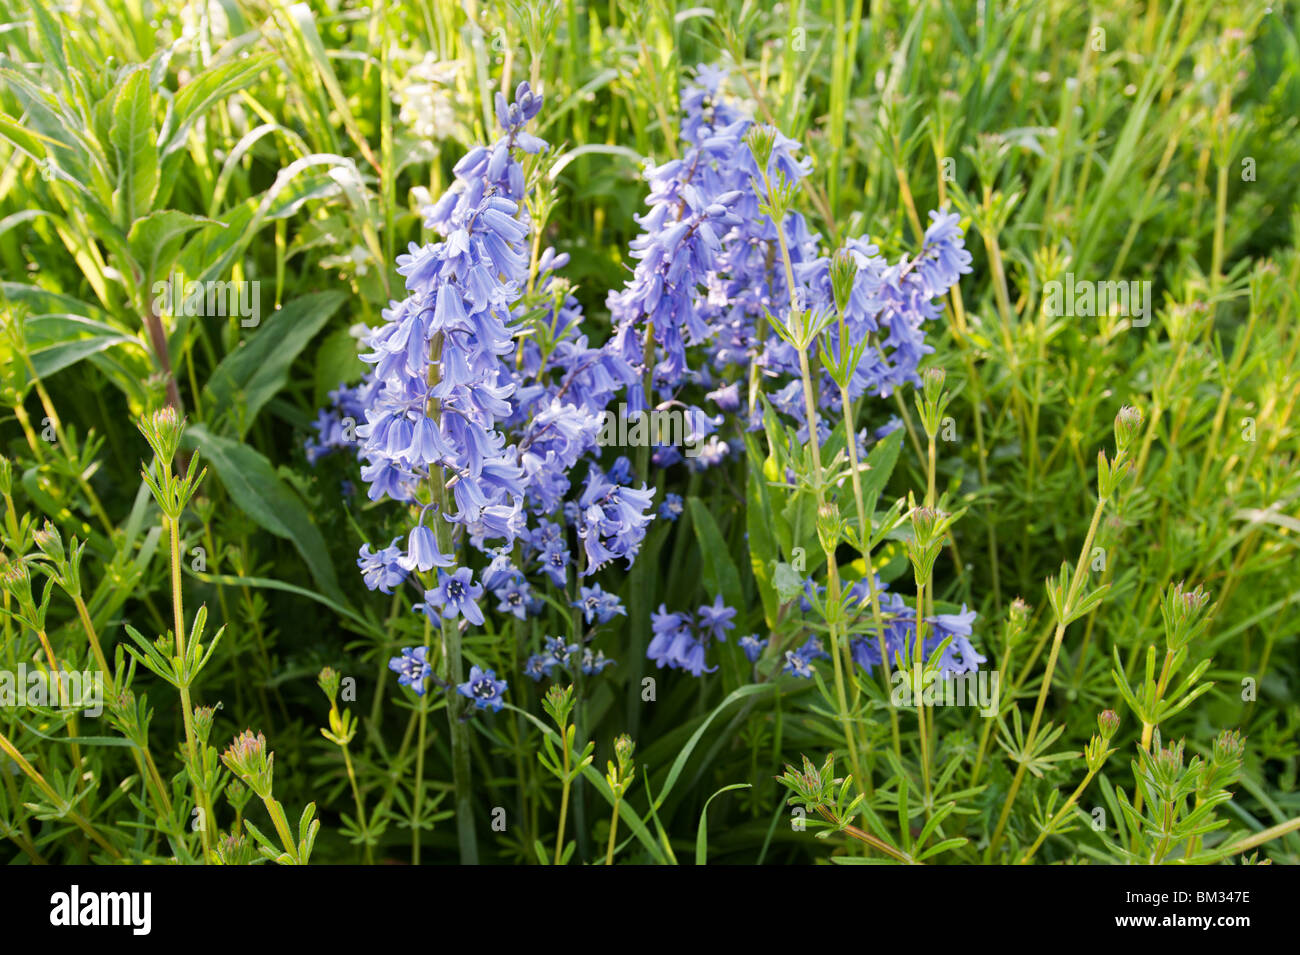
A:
(1229, 747)
(1128, 424)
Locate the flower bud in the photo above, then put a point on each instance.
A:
(328, 681)
(234, 849)
(932, 380)
(624, 747)
(844, 272)
(162, 430)
(50, 542)
(17, 580)
(1184, 614)
(927, 523)
(761, 140)
(203, 717)
(829, 526)
(1128, 424)
(1229, 747)
(250, 760)
(1019, 612)
(1107, 723)
(1169, 760)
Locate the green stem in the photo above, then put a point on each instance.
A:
(1075, 582)
(864, 534)
(564, 797)
(187, 707)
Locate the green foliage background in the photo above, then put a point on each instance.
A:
(248, 140)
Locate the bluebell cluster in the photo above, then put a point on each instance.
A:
(476, 435)
(708, 273)
(681, 638)
(898, 616)
(483, 408)
(336, 423)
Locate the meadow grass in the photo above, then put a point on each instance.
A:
(1148, 148)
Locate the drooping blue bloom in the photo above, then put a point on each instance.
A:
(727, 397)
(612, 520)
(513, 596)
(484, 689)
(412, 668)
(420, 413)
(960, 656)
(675, 643)
(753, 646)
(557, 651)
(593, 664)
(535, 667)
(554, 562)
(422, 552)
(382, 570)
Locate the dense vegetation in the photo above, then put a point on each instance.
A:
(1053, 422)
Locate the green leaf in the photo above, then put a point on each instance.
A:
(702, 833)
(50, 35)
(58, 341)
(719, 571)
(763, 551)
(134, 141)
(210, 86)
(258, 491)
(680, 762)
(880, 464)
(256, 370)
(335, 363)
(155, 240)
(1087, 603)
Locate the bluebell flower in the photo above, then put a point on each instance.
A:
(675, 643)
(455, 595)
(900, 634)
(484, 689)
(535, 667)
(798, 662)
(612, 520)
(716, 619)
(554, 562)
(960, 656)
(727, 397)
(557, 652)
(753, 646)
(594, 663)
(597, 605)
(421, 414)
(620, 471)
(382, 570)
(412, 668)
(422, 550)
(671, 508)
(513, 596)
